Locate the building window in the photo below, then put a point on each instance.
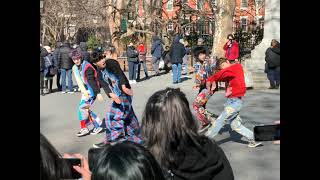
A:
(244, 24)
(244, 4)
(170, 5)
(200, 4)
(170, 27)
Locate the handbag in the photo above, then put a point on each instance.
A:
(52, 71)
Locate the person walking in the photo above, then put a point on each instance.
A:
(142, 60)
(66, 64)
(156, 52)
(177, 52)
(273, 64)
(132, 55)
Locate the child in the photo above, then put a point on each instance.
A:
(233, 76)
(203, 69)
(121, 121)
(86, 78)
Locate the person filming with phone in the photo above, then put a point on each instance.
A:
(232, 49)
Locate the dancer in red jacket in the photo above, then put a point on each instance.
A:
(233, 76)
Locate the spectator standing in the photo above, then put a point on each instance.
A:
(177, 52)
(43, 53)
(66, 64)
(84, 51)
(142, 60)
(232, 49)
(273, 64)
(132, 55)
(56, 62)
(185, 63)
(49, 68)
(156, 52)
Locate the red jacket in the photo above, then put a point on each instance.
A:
(234, 78)
(234, 52)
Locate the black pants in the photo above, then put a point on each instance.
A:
(274, 76)
(58, 81)
(41, 80)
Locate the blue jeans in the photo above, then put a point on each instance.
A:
(176, 70)
(185, 65)
(67, 72)
(144, 69)
(230, 114)
(155, 64)
(132, 70)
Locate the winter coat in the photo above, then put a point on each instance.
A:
(132, 54)
(65, 59)
(48, 63)
(273, 57)
(233, 52)
(211, 164)
(142, 52)
(84, 52)
(156, 48)
(177, 51)
(43, 53)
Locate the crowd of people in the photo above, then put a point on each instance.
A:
(171, 143)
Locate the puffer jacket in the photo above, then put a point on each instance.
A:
(43, 53)
(273, 57)
(65, 59)
(132, 54)
(156, 49)
(177, 51)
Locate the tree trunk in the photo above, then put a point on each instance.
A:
(223, 26)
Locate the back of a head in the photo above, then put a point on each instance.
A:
(51, 165)
(168, 126)
(126, 161)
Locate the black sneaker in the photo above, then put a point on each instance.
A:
(101, 145)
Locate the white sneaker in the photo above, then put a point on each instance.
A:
(96, 131)
(134, 82)
(83, 131)
(131, 82)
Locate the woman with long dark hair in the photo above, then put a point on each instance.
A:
(170, 133)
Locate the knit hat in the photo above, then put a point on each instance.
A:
(199, 49)
(75, 54)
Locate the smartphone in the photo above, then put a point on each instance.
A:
(267, 132)
(70, 163)
(93, 155)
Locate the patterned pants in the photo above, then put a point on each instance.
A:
(122, 123)
(84, 112)
(199, 106)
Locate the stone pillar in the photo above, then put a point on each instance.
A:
(271, 31)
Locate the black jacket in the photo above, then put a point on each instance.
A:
(177, 51)
(210, 165)
(43, 53)
(132, 54)
(273, 57)
(114, 67)
(84, 52)
(65, 59)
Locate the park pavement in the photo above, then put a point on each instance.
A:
(58, 122)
